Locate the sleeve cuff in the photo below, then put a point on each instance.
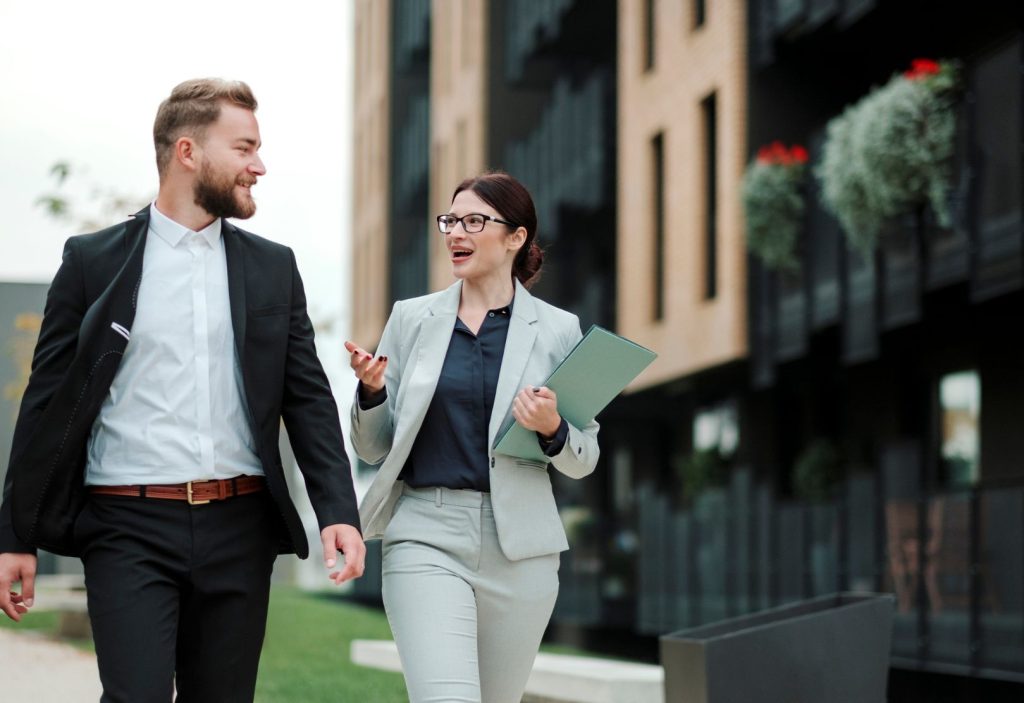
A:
(554, 446)
(370, 400)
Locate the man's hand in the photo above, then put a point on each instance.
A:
(15, 567)
(349, 542)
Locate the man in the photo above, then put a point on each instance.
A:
(172, 346)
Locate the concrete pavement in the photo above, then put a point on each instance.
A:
(40, 670)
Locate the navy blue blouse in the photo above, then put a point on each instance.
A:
(451, 447)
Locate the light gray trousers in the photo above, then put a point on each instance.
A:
(467, 621)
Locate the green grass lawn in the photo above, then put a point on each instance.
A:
(306, 652)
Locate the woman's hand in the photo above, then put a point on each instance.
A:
(369, 371)
(537, 409)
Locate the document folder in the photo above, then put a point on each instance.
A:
(591, 375)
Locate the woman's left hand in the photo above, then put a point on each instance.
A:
(537, 409)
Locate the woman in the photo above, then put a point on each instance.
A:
(471, 538)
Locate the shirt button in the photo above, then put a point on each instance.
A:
(490, 314)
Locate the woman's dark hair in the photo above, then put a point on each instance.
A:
(513, 203)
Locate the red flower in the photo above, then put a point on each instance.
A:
(777, 153)
(919, 68)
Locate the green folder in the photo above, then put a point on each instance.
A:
(590, 376)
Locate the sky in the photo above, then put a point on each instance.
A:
(80, 82)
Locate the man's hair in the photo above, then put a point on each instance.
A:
(192, 106)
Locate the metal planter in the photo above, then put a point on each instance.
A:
(832, 649)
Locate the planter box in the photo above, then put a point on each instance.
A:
(833, 649)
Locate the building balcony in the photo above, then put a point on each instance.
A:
(866, 295)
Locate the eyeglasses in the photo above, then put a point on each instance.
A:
(472, 223)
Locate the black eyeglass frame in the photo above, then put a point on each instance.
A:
(455, 221)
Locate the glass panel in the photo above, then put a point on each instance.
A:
(960, 401)
(711, 518)
(682, 572)
(860, 325)
(902, 547)
(947, 577)
(648, 558)
(862, 567)
(791, 553)
(1001, 571)
(764, 595)
(742, 553)
(717, 427)
(824, 549)
(663, 572)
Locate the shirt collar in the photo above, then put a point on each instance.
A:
(505, 310)
(173, 233)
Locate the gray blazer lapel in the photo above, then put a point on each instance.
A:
(434, 337)
(522, 333)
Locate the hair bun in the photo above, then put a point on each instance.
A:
(528, 265)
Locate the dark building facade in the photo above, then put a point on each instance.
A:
(894, 381)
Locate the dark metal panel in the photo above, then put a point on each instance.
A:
(823, 242)
(947, 259)
(762, 324)
(860, 321)
(791, 332)
(997, 84)
(901, 272)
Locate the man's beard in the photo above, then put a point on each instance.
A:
(217, 196)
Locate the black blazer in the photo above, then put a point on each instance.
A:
(78, 354)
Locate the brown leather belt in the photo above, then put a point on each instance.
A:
(195, 492)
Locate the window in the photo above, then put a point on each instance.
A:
(708, 110)
(648, 43)
(960, 408)
(717, 427)
(658, 215)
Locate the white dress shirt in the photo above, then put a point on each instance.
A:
(176, 409)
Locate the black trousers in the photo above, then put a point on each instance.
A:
(178, 595)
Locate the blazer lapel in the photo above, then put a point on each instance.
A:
(116, 305)
(235, 256)
(522, 333)
(434, 337)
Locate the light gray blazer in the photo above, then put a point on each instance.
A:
(415, 340)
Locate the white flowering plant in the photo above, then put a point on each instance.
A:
(773, 204)
(892, 152)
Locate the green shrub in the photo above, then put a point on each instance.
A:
(816, 472)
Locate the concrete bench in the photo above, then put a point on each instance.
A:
(557, 678)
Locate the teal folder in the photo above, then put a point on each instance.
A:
(590, 376)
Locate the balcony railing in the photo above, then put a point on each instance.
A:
(567, 158)
(530, 24)
(954, 560)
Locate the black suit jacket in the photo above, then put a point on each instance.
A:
(78, 354)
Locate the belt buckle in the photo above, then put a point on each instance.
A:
(191, 501)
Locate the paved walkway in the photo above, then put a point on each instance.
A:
(38, 670)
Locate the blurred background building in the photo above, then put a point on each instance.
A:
(853, 424)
